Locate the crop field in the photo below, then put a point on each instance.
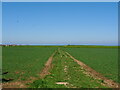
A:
(21, 63)
(54, 67)
(103, 60)
(66, 74)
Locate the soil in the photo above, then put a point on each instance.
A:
(64, 83)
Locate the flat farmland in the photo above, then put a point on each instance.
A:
(103, 59)
(66, 73)
(23, 62)
(59, 67)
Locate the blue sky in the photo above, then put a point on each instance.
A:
(60, 23)
(0, 23)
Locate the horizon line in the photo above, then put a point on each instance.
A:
(64, 44)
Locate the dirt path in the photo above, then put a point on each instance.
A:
(66, 73)
(47, 66)
(95, 74)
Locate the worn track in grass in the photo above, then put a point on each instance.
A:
(67, 72)
(47, 66)
(64, 71)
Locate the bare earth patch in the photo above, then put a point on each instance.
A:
(64, 83)
(18, 84)
(14, 85)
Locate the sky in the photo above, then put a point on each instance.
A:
(0, 23)
(89, 23)
(60, 0)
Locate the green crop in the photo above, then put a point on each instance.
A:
(21, 63)
(103, 60)
(24, 63)
(66, 70)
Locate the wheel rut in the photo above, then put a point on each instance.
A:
(64, 71)
(47, 66)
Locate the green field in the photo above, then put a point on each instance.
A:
(24, 62)
(21, 63)
(102, 59)
(65, 70)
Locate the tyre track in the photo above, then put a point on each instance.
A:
(47, 66)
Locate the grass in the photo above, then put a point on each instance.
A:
(21, 63)
(24, 62)
(73, 75)
(103, 60)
